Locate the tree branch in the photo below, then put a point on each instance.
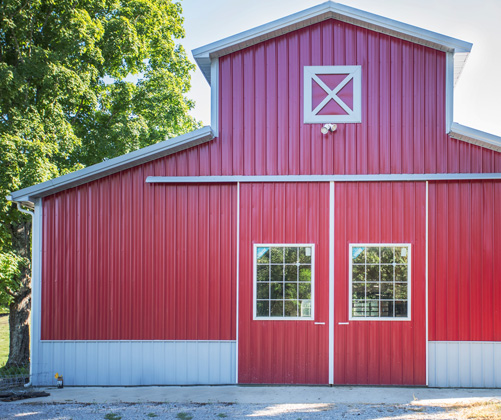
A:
(8, 291)
(74, 118)
(16, 43)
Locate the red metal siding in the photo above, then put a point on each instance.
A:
(380, 352)
(465, 261)
(125, 260)
(403, 111)
(284, 352)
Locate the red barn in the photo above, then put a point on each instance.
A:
(333, 225)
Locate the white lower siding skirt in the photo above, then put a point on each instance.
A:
(468, 364)
(135, 362)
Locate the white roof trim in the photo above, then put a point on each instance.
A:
(322, 12)
(477, 137)
(100, 170)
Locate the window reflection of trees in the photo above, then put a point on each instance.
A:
(380, 280)
(284, 281)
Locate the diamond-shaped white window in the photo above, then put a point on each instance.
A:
(332, 94)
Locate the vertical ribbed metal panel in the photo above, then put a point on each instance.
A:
(125, 260)
(467, 364)
(465, 261)
(403, 109)
(123, 363)
(284, 351)
(380, 352)
(261, 129)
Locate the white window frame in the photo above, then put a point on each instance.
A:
(409, 282)
(353, 115)
(254, 287)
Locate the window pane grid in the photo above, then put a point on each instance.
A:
(283, 281)
(379, 281)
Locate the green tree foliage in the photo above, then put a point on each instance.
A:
(65, 98)
(10, 274)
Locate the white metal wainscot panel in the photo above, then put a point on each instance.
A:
(136, 362)
(468, 364)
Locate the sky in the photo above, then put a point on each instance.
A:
(477, 95)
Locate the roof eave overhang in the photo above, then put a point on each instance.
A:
(27, 196)
(477, 137)
(331, 10)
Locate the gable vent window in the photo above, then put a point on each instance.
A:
(332, 94)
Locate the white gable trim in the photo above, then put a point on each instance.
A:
(129, 160)
(449, 91)
(214, 97)
(477, 137)
(324, 11)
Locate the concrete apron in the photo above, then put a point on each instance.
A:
(267, 395)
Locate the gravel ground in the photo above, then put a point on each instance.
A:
(216, 411)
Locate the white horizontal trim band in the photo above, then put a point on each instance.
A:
(320, 178)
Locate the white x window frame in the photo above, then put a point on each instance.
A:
(311, 115)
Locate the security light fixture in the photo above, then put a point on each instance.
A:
(328, 127)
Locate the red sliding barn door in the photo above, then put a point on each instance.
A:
(284, 351)
(383, 351)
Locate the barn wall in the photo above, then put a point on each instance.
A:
(126, 260)
(465, 284)
(465, 261)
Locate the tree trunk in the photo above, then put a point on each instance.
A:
(19, 325)
(20, 308)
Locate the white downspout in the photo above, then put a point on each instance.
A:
(31, 213)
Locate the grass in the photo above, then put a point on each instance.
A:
(112, 416)
(4, 340)
(490, 410)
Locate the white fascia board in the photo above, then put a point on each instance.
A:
(477, 137)
(129, 160)
(459, 62)
(214, 97)
(329, 9)
(449, 91)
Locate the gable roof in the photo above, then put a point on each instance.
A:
(203, 56)
(473, 136)
(26, 196)
(332, 10)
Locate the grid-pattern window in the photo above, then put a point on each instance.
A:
(283, 281)
(380, 281)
